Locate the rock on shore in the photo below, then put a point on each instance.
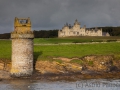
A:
(46, 67)
(4, 74)
(94, 65)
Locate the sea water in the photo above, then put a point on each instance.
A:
(91, 84)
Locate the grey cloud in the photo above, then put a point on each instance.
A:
(53, 14)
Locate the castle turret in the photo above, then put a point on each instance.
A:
(22, 48)
(76, 22)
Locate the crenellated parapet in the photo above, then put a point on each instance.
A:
(22, 25)
(22, 29)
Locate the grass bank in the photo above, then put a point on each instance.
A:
(5, 49)
(44, 52)
(70, 51)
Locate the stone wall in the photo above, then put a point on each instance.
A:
(22, 57)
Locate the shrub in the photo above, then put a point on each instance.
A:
(111, 40)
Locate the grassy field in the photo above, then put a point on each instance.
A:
(74, 40)
(47, 52)
(5, 49)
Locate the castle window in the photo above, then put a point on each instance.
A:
(74, 33)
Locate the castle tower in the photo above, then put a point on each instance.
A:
(76, 22)
(22, 48)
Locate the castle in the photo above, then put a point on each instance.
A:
(77, 30)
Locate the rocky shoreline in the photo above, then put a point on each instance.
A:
(67, 77)
(88, 67)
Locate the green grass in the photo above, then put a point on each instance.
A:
(5, 49)
(69, 51)
(47, 52)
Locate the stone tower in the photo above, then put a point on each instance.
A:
(22, 48)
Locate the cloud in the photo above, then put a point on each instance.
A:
(53, 14)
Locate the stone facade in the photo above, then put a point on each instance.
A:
(77, 30)
(22, 48)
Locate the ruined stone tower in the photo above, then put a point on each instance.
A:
(22, 48)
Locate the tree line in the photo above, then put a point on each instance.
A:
(113, 31)
(5, 36)
(37, 34)
(46, 33)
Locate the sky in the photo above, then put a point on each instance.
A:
(53, 14)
